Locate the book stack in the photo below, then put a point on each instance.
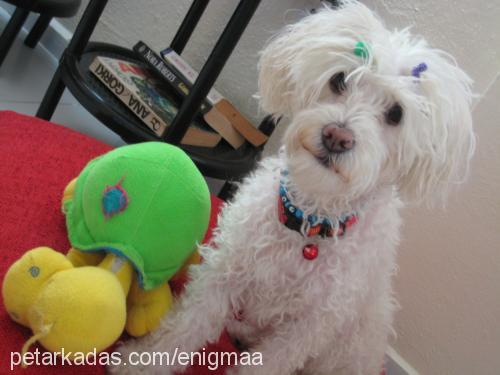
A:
(154, 90)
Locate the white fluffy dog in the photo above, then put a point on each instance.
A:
(300, 266)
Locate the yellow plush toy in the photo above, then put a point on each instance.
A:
(134, 217)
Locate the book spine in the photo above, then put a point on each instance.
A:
(167, 73)
(185, 69)
(133, 102)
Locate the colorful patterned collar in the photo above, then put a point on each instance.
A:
(293, 217)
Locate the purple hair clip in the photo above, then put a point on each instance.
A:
(420, 68)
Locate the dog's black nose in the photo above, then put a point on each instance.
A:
(337, 139)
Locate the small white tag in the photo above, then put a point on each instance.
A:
(117, 264)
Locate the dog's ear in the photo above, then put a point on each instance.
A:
(297, 63)
(275, 81)
(437, 147)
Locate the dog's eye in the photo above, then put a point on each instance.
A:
(394, 115)
(337, 83)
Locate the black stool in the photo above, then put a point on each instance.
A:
(47, 10)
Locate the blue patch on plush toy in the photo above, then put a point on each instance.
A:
(114, 200)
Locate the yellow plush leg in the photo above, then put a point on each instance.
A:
(79, 258)
(69, 190)
(146, 308)
(195, 258)
(122, 269)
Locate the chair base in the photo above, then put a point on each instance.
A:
(221, 162)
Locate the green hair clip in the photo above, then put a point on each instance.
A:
(361, 50)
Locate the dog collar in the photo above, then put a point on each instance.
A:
(310, 225)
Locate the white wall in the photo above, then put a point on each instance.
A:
(449, 279)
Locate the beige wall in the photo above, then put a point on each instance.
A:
(449, 279)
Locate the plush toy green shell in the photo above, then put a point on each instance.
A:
(146, 202)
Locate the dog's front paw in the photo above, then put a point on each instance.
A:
(127, 367)
(143, 356)
(126, 360)
(242, 370)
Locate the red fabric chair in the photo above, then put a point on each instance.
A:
(37, 159)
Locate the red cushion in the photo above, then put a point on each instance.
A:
(37, 160)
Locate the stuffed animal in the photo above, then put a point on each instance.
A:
(134, 217)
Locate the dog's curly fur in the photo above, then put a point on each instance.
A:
(331, 315)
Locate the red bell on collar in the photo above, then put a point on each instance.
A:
(310, 251)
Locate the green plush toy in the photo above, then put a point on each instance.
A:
(139, 208)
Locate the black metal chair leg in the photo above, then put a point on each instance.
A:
(76, 47)
(37, 30)
(86, 27)
(11, 30)
(211, 70)
(227, 191)
(51, 97)
(188, 25)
